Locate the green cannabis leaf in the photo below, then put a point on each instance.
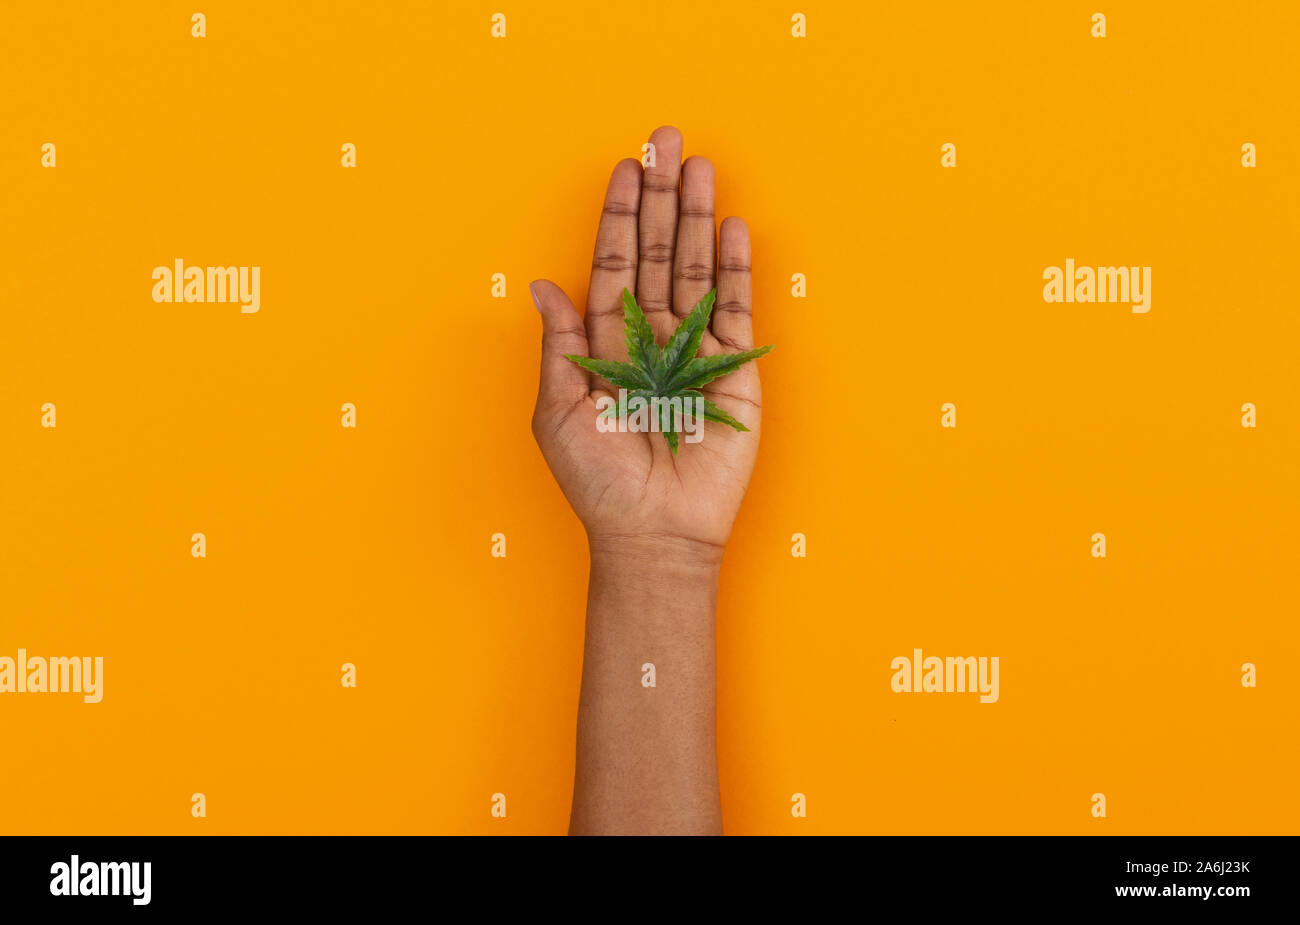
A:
(672, 371)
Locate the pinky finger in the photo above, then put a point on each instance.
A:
(733, 320)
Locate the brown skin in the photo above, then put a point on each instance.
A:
(656, 524)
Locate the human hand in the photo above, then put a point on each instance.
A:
(631, 493)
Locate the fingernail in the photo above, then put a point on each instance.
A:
(532, 290)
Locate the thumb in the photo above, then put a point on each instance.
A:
(563, 383)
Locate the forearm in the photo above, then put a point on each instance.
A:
(647, 756)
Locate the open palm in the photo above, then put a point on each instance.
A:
(656, 239)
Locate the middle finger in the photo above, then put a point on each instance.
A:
(658, 229)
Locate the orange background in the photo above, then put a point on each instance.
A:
(479, 155)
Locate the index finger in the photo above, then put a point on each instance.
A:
(613, 266)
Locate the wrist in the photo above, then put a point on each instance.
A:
(652, 554)
(666, 586)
